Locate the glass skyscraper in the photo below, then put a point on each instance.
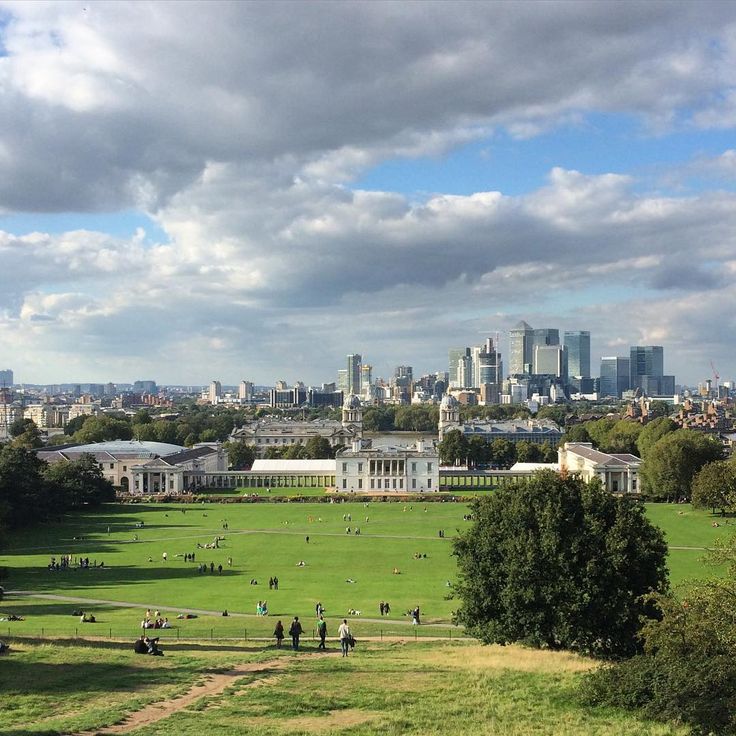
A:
(578, 353)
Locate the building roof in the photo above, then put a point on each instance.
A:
(520, 427)
(186, 455)
(115, 449)
(280, 465)
(598, 457)
(531, 467)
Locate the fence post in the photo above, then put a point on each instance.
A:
(42, 632)
(415, 633)
(177, 634)
(76, 633)
(381, 634)
(450, 634)
(111, 632)
(212, 634)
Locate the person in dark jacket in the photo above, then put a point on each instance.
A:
(295, 631)
(322, 631)
(140, 646)
(278, 632)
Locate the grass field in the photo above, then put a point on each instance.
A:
(425, 688)
(266, 540)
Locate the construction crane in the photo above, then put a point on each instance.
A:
(715, 373)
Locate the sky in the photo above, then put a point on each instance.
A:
(251, 191)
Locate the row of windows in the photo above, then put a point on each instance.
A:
(387, 467)
(387, 484)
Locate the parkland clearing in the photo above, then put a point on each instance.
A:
(223, 674)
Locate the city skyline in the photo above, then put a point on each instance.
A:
(254, 191)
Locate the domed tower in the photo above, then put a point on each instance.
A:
(449, 415)
(352, 414)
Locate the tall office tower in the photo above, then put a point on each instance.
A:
(578, 353)
(245, 391)
(647, 371)
(342, 380)
(459, 359)
(550, 360)
(521, 349)
(615, 378)
(215, 392)
(353, 368)
(487, 365)
(6, 378)
(366, 379)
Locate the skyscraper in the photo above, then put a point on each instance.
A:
(215, 392)
(6, 378)
(353, 368)
(647, 371)
(615, 378)
(459, 360)
(550, 360)
(521, 348)
(578, 353)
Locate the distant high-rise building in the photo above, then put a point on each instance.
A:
(145, 387)
(282, 386)
(215, 392)
(521, 349)
(460, 362)
(487, 371)
(578, 353)
(615, 376)
(6, 378)
(366, 379)
(354, 377)
(342, 380)
(647, 371)
(245, 391)
(550, 360)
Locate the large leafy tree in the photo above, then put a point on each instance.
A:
(557, 562)
(76, 483)
(652, 433)
(24, 496)
(453, 449)
(669, 467)
(714, 486)
(240, 454)
(319, 448)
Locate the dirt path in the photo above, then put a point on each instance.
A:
(214, 684)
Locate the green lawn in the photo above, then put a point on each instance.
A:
(266, 540)
(423, 688)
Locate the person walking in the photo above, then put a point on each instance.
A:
(295, 631)
(278, 632)
(343, 634)
(322, 631)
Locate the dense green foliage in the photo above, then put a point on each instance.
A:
(32, 491)
(457, 449)
(556, 562)
(714, 487)
(687, 671)
(670, 465)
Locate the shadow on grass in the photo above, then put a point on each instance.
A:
(42, 580)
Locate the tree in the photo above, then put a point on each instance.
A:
(622, 437)
(528, 452)
(20, 426)
(319, 448)
(560, 563)
(714, 487)
(599, 430)
(503, 452)
(296, 451)
(668, 469)
(653, 432)
(479, 451)
(102, 429)
(24, 497)
(30, 438)
(77, 483)
(556, 412)
(687, 670)
(240, 454)
(453, 449)
(575, 433)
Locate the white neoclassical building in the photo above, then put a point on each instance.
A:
(387, 469)
(619, 473)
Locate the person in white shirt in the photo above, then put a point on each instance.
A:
(343, 633)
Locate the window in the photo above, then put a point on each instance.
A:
(429, 467)
(360, 484)
(413, 467)
(401, 482)
(344, 482)
(413, 482)
(125, 468)
(344, 467)
(394, 483)
(171, 485)
(385, 483)
(429, 482)
(112, 466)
(373, 484)
(360, 467)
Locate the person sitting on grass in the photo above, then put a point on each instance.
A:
(153, 648)
(140, 646)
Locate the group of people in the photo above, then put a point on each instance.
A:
(203, 568)
(262, 608)
(66, 562)
(384, 607)
(273, 583)
(154, 621)
(296, 630)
